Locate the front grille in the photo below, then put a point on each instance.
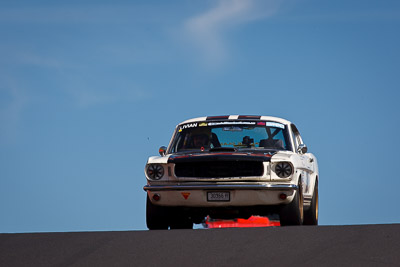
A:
(219, 169)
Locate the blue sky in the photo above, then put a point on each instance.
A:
(90, 89)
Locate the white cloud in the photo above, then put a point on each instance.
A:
(207, 30)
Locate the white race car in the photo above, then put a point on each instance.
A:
(232, 167)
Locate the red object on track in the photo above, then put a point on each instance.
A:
(253, 221)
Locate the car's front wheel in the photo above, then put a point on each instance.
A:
(311, 215)
(157, 217)
(293, 213)
(180, 220)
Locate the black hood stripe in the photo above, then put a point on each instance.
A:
(201, 157)
(252, 117)
(213, 118)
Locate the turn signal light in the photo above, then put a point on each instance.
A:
(156, 197)
(282, 196)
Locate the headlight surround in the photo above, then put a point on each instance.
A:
(155, 171)
(283, 169)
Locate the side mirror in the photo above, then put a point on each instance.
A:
(302, 149)
(162, 150)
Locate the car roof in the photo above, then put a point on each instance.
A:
(237, 117)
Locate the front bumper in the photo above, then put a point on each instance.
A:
(240, 194)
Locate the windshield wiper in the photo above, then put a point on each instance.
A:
(225, 149)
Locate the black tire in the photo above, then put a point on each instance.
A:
(181, 221)
(157, 217)
(311, 215)
(293, 213)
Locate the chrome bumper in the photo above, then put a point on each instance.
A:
(220, 187)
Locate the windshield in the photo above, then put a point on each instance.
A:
(238, 135)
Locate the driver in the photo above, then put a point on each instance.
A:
(200, 140)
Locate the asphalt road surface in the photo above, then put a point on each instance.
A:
(361, 245)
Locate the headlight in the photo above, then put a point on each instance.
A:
(155, 171)
(283, 169)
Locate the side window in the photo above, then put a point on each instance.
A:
(295, 140)
(296, 137)
(299, 141)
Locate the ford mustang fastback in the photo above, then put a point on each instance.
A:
(229, 167)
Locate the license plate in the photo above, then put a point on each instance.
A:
(218, 196)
